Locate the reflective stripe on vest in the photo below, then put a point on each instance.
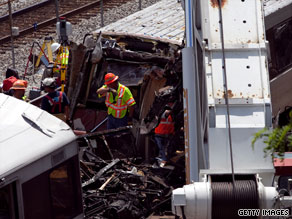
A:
(62, 59)
(54, 103)
(165, 127)
(117, 107)
(130, 101)
(65, 57)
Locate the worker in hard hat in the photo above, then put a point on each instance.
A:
(18, 89)
(61, 59)
(164, 133)
(119, 101)
(55, 102)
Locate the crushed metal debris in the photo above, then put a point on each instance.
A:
(123, 188)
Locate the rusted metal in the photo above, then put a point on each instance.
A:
(215, 3)
(230, 94)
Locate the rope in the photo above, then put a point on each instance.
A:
(226, 203)
(226, 89)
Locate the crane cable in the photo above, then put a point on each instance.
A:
(226, 90)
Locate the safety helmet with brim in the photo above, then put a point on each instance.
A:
(55, 46)
(49, 82)
(18, 85)
(110, 78)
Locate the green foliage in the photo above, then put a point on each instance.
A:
(277, 140)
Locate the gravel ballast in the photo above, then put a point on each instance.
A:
(79, 31)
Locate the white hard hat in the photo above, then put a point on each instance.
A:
(49, 82)
(55, 46)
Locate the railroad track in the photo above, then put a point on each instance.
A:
(44, 15)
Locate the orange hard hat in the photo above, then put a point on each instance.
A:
(110, 78)
(19, 85)
(25, 82)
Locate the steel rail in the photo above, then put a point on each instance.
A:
(4, 3)
(25, 10)
(51, 21)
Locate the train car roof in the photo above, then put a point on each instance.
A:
(27, 134)
(276, 12)
(271, 6)
(163, 20)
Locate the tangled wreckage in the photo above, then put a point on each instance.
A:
(119, 179)
(118, 174)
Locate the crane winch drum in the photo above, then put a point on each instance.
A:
(216, 197)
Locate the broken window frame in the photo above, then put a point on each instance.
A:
(10, 193)
(38, 192)
(277, 65)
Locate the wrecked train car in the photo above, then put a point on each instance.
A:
(117, 182)
(278, 23)
(39, 171)
(120, 176)
(144, 50)
(144, 65)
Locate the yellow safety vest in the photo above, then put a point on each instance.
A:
(62, 59)
(118, 107)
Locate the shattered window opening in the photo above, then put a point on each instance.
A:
(54, 193)
(280, 39)
(8, 202)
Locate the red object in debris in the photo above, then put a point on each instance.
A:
(8, 83)
(283, 167)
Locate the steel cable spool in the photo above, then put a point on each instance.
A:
(226, 202)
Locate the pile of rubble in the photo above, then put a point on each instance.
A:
(125, 188)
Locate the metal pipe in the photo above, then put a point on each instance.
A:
(57, 10)
(101, 12)
(11, 24)
(40, 97)
(96, 127)
(189, 22)
(140, 4)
